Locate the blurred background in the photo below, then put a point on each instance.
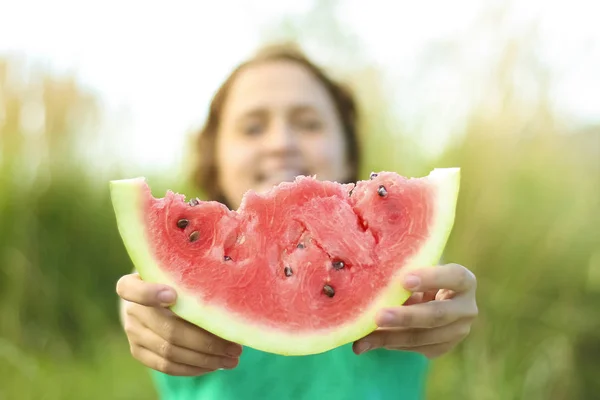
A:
(507, 90)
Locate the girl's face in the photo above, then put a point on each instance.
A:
(278, 122)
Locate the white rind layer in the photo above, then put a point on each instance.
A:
(128, 204)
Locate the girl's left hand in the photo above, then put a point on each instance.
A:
(434, 319)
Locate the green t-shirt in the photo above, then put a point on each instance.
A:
(337, 374)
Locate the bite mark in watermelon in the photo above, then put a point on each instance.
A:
(299, 270)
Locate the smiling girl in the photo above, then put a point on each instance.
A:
(275, 117)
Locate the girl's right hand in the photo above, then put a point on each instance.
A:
(161, 340)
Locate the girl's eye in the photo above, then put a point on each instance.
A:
(253, 129)
(309, 124)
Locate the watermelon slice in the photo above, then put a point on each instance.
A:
(298, 270)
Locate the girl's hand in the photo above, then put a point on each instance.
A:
(435, 318)
(161, 340)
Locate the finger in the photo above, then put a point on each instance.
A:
(132, 325)
(420, 297)
(414, 298)
(430, 351)
(132, 288)
(141, 336)
(429, 295)
(154, 361)
(445, 294)
(184, 334)
(450, 276)
(425, 315)
(409, 338)
(180, 355)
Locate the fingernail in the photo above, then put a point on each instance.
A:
(233, 350)
(362, 347)
(229, 362)
(386, 318)
(166, 296)
(412, 281)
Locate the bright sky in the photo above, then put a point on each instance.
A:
(162, 61)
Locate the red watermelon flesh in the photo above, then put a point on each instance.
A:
(298, 270)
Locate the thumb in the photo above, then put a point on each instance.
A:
(132, 288)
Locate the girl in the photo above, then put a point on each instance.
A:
(275, 117)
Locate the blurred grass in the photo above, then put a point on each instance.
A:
(109, 372)
(527, 224)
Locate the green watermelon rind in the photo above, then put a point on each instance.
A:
(127, 197)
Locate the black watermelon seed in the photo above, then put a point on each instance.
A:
(300, 245)
(381, 191)
(182, 223)
(227, 258)
(194, 236)
(328, 290)
(287, 271)
(373, 175)
(194, 202)
(337, 265)
(350, 192)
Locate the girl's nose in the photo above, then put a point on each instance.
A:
(281, 139)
